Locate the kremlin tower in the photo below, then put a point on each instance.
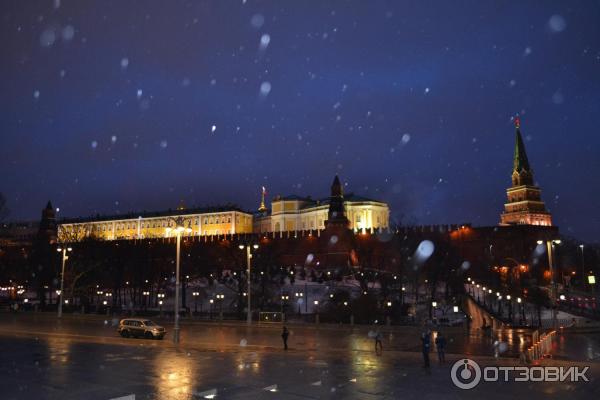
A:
(525, 205)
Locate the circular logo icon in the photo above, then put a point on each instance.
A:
(465, 374)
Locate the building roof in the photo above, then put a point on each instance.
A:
(155, 214)
(292, 197)
(520, 162)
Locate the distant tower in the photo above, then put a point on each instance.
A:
(525, 205)
(337, 215)
(262, 208)
(47, 231)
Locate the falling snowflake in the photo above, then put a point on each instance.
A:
(213, 128)
(36, 94)
(265, 39)
(94, 144)
(405, 138)
(257, 21)
(68, 33)
(163, 144)
(557, 23)
(265, 88)
(48, 37)
(557, 97)
(113, 139)
(124, 62)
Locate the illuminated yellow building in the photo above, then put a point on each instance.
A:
(294, 213)
(287, 214)
(202, 222)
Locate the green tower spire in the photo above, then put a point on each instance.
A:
(521, 163)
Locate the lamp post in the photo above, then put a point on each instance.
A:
(248, 277)
(65, 257)
(582, 269)
(108, 296)
(179, 229)
(220, 297)
(146, 294)
(160, 296)
(510, 308)
(550, 249)
(195, 294)
(284, 299)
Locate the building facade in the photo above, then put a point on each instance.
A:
(525, 205)
(295, 213)
(202, 222)
(287, 214)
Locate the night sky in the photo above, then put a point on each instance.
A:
(118, 106)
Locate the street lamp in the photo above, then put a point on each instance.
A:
(64, 251)
(249, 282)
(196, 294)
(220, 297)
(550, 248)
(582, 269)
(179, 229)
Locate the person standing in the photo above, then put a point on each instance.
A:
(440, 344)
(425, 345)
(378, 343)
(284, 335)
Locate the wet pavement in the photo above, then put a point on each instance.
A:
(83, 358)
(218, 336)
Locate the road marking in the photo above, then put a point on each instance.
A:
(128, 397)
(317, 383)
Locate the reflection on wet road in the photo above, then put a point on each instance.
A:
(85, 359)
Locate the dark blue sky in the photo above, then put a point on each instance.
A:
(115, 106)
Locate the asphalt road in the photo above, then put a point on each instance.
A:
(83, 358)
(218, 336)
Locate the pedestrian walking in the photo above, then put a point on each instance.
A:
(378, 343)
(284, 335)
(440, 344)
(425, 345)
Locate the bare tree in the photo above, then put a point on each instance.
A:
(77, 233)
